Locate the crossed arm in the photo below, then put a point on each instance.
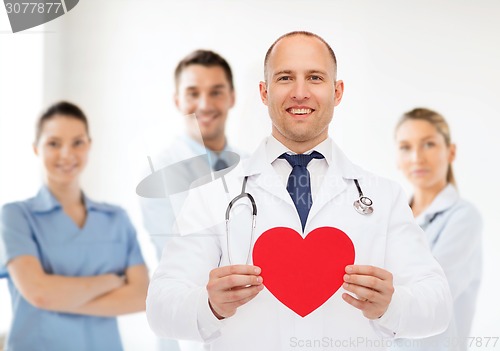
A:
(101, 295)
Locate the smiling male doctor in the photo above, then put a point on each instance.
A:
(394, 288)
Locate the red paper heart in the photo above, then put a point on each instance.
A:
(303, 273)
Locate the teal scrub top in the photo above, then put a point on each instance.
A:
(106, 244)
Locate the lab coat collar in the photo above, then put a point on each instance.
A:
(443, 201)
(200, 149)
(339, 171)
(339, 164)
(275, 149)
(196, 147)
(45, 201)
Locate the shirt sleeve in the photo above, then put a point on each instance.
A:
(16, 235)
(421, 304)
(134, 255)
(177, 302)
(459, 248)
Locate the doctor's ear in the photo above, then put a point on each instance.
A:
(452, 153)
(263, 92)
(339, 91)
(176, 99)
(35, 149)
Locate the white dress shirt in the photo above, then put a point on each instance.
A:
(317, 167)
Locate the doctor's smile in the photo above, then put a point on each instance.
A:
(420, 172)
(207, 92)
(204, 118)
(300, 111)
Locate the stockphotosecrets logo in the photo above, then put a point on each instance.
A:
(24, 15)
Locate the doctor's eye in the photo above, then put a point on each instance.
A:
(192, 94)
(216, 93)
(404, 148)
(53, 144)
(316, 78)
(429, 144)
(78, 142)
(284, 78)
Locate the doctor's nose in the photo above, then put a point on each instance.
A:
(204, 102)
(66, 152)
(417, 156)
(300, 91)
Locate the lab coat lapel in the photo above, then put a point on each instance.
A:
(446, 199)
(271, 182)
(332, 186)
(265, 176)
(338, 177)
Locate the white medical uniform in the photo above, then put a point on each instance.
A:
(453, 228)
(177, 303)
(159, 213)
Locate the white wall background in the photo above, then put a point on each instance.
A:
(116, 60)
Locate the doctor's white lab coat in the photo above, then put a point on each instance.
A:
(453, 229)
(177, 302)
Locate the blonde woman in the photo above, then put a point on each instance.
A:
(73, 264)
(452, 225)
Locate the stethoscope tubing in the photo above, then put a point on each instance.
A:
(242, 195)
(364, 206)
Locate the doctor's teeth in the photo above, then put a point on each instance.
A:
(300, 111)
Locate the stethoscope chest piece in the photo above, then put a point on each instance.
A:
(363, 205)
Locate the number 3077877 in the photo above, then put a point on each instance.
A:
(33, 7)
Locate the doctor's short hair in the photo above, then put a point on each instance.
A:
(304, 33)
(439, 122)
(206, 58)
(62, 108)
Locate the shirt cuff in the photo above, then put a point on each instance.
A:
(208, 325)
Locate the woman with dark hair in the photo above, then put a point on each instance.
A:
(73, 264)
(451, 224)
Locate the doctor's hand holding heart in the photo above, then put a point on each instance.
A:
(314, 266)
(232, 286)
(373, 287)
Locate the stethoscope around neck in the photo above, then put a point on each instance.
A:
(363, 205)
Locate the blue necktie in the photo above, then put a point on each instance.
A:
(220, 164)
(299, 183)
